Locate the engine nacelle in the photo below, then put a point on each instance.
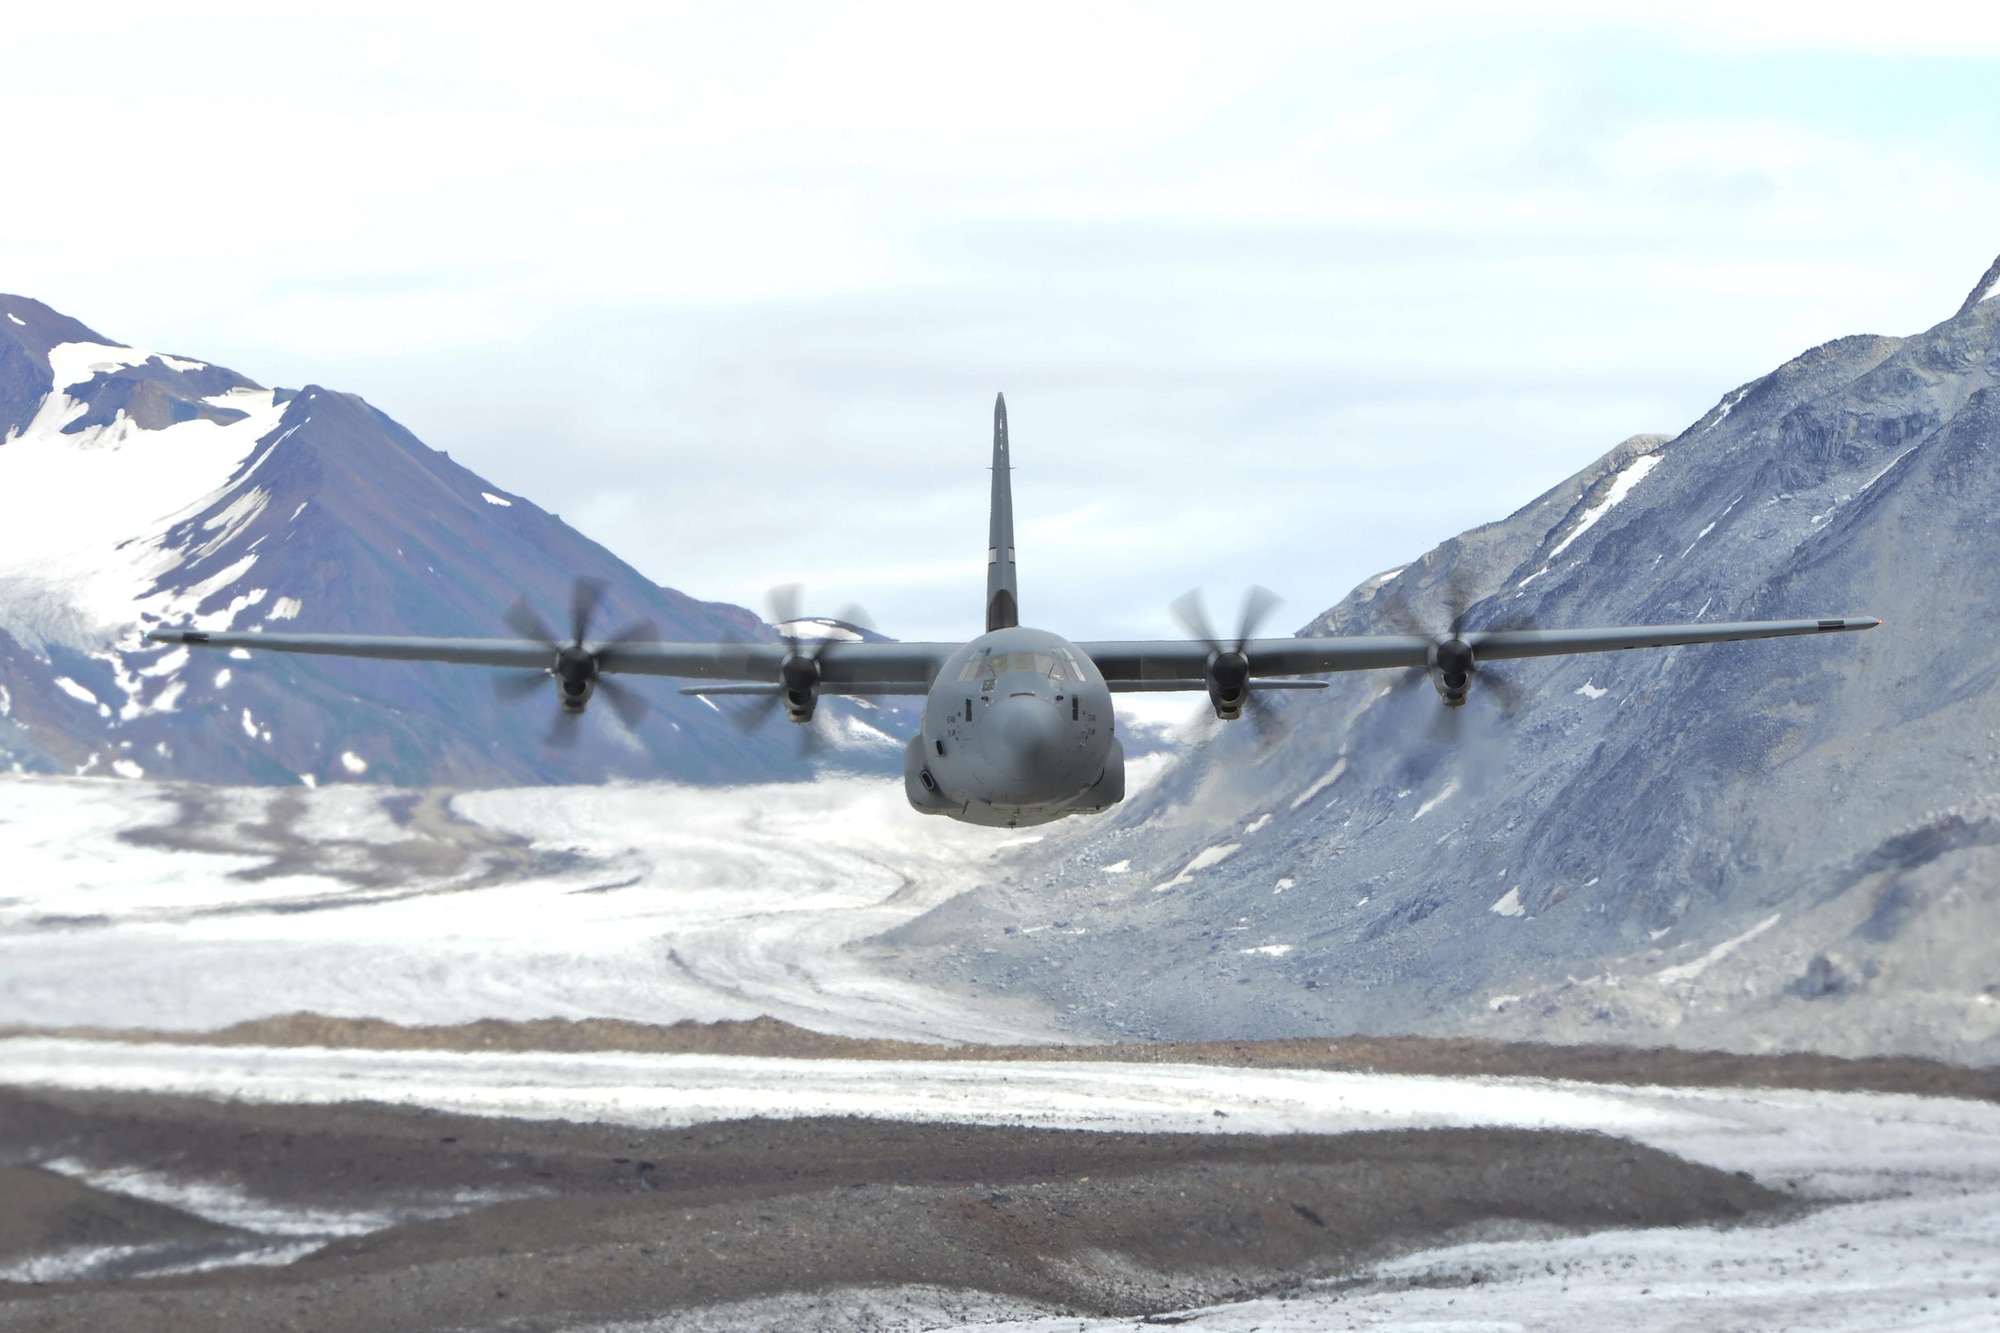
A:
(576, 679)
(1228, 684)
(799, 678)
(1451, 670)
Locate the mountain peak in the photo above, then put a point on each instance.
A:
(29, 330)
(1986, 288)
(139, 489)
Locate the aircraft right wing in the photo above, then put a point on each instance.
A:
(1169, 664)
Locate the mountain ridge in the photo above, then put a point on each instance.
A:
(1751, 846)
(139, 489)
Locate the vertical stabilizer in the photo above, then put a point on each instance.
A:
(1003, 604)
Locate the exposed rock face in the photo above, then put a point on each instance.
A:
(139, 489)
(1787, 843)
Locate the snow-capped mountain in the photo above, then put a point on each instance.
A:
(1751, 845)
(139, 489)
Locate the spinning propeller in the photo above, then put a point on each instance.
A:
(1453, 664)
(1230, 690)
(798, 675)
(575, 671)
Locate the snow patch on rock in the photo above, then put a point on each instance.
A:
(1630, 476)
(1688, 971)
(1207, 857)
(74, 573)
(1332, 776)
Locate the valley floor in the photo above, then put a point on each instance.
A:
(628, 1190)
(314, 1173)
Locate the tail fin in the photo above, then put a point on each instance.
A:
(1003, 606)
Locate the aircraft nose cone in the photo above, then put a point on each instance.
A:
(1029, 736)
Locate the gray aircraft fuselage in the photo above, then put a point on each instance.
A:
(1017, 724)
(1017, 730)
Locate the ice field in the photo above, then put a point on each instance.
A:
(653, 902)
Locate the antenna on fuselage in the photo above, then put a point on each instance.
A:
(1003, 598)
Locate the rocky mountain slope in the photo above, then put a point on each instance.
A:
(1781, 844)
(138, 489)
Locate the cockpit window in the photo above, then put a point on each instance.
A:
(1052, 665)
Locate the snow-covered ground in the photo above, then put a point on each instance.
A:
(650, 902)
(1915, 1244)
(133, 904)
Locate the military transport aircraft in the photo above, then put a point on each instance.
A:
(1017, 724)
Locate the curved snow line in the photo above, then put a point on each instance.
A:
(1688, 971)
(1632, 474)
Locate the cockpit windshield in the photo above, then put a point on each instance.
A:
(1053, 665)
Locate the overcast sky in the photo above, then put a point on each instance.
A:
(1278, 295)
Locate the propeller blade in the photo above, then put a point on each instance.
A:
(812, 742)
(783, 601)
(1515, 617)
(1192, 617)
(511, 686)
(1199, 727)
(1505, 690)
(521, 618)
(1459, 596)
(859, 618)
(585, 596)
(639, 631)
(1257, 604)
(1483, 757)
(754, 717)
(563, 731)
(625, 702)
(1396, 610)
(1271, 726)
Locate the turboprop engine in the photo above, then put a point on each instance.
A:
(576, 675)
(799, 676)
(1228, 683)
(1451, 670)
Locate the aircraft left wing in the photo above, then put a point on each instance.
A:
(845, 668)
